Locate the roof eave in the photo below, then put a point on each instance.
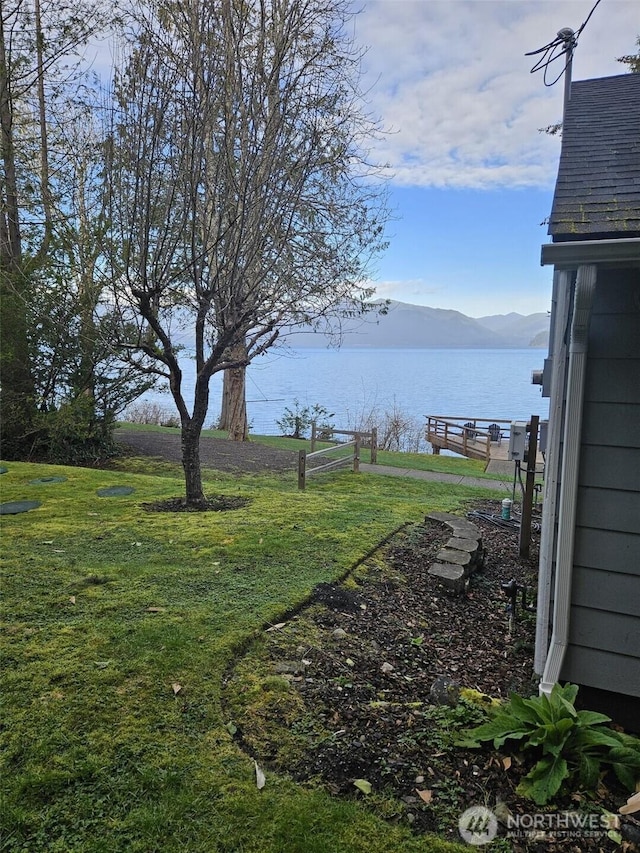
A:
(571, 255)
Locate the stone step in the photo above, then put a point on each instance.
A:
(451, 576)
(459, 526)
(470, 545)
(461, 555)
(458, 558)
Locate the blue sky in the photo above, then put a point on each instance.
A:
(472, 177)
(475, 251)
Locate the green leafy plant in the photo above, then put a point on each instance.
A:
(74, 433)
(296, 422)
(571, 745)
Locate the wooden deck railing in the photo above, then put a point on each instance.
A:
(470, 437)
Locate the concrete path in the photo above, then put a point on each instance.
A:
(436, 476)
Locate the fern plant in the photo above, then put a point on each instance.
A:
(572, 746)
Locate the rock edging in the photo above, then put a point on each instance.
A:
(461, 555)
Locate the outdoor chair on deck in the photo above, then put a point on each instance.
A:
(494, 432)
(469, 430)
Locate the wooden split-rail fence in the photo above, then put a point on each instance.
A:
(349, 452)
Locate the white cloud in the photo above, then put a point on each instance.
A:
(454, 88)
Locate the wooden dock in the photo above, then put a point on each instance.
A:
(475, 438)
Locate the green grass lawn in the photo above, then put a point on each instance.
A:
(118, 626)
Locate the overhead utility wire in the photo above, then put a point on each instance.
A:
(264, 399)
(567, 40)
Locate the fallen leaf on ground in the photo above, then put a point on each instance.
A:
(363, 785)
(632, 805)
(425, 796)
(506, 762)
(261, 780)
(176, 687)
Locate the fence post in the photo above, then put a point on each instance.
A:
(302, 463)
(313, 436)
(374, 445)
(356, 455)
(527, 499)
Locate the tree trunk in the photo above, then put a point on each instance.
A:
(233, 416)
(88, 292)
(45, 188)
(10, 245)
(190, 434)
(16, 377)
(17, 394)
(190, 442)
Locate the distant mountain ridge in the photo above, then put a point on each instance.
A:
(407, 326)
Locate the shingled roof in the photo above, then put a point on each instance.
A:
(597, 193)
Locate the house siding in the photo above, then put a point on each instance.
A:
(604, 636)
(623, 673)
(594, 549)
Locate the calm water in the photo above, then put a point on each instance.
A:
(353, 382)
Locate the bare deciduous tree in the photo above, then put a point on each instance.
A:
(241, 194)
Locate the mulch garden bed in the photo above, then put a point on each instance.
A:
(371, 663)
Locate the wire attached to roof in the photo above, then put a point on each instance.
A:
(563, 44)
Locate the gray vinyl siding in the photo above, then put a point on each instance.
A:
(594, 549)
(608, 468)
(623, 673)
(613, 380)
(610, 425)
(620, 634)
(613, 591)
(604, 635)
(608, 509)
